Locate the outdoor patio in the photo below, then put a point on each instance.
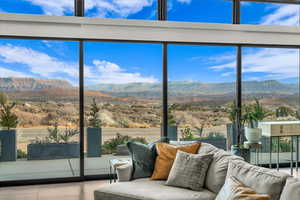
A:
(41, 169)
(23, 169)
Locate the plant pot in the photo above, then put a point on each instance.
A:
(122, 150)
(53, 151)
(8, 145)
(94, 141)
(172, 133)
(253, 135)
(242, 152)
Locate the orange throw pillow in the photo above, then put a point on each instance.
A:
(166, 156)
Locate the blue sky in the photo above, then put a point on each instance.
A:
(124, 63)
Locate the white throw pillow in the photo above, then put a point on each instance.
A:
(291, 191)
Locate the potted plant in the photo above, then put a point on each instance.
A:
(253, 114)
(8, 121)
(94, 131)
(57, 145)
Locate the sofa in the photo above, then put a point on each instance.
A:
(278, 185)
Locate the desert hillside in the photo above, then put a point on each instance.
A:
(138, 105)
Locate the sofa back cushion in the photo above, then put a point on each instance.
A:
(217, 170)
(143, 157)
(291, 190)
(166, 156)
(262, 180)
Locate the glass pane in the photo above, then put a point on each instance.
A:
(271, 78)
(201, 92)
(270, 14)
(134, 9)
(53, 7)
(39, 94)
(212, 11)
(122, 100)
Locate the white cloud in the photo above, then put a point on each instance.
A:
(38, 62)
(184, 1)
(107, 72)
(4, 73)
(54, 7)
(272, 63)
(287, 15)
(43, 65)
(121, 8)
(99, 8)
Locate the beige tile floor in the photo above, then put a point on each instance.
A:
(66, 191)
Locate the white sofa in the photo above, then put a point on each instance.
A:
(265, 181)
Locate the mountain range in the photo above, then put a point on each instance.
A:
(195, 88)
(31, 84)
(152, 90)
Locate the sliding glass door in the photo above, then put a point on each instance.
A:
(39, 103)
(122, 100)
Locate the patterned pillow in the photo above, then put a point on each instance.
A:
(166, 156)
(234, 190)
(143, 158)
(189, 170)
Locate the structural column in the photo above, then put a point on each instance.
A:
(162, 16)
(236, 20)
(79, 12)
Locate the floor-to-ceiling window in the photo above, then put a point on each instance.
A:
(271, 81)
(201, 90)
(39, 95)
(123, 92)
(123, 85)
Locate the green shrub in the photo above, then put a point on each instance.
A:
(21, 154)
(55, 136)
(110, 146)
(187, 133)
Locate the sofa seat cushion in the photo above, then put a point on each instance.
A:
(291, 191)
(262, 180)
(145, 189)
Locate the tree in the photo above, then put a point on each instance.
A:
(53, 133)
(94, 120)
(171, 118)
(7, 118)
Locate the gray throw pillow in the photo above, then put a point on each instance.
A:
(189, 170)
(143, 158)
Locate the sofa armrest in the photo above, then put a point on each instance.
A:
(124, 172)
